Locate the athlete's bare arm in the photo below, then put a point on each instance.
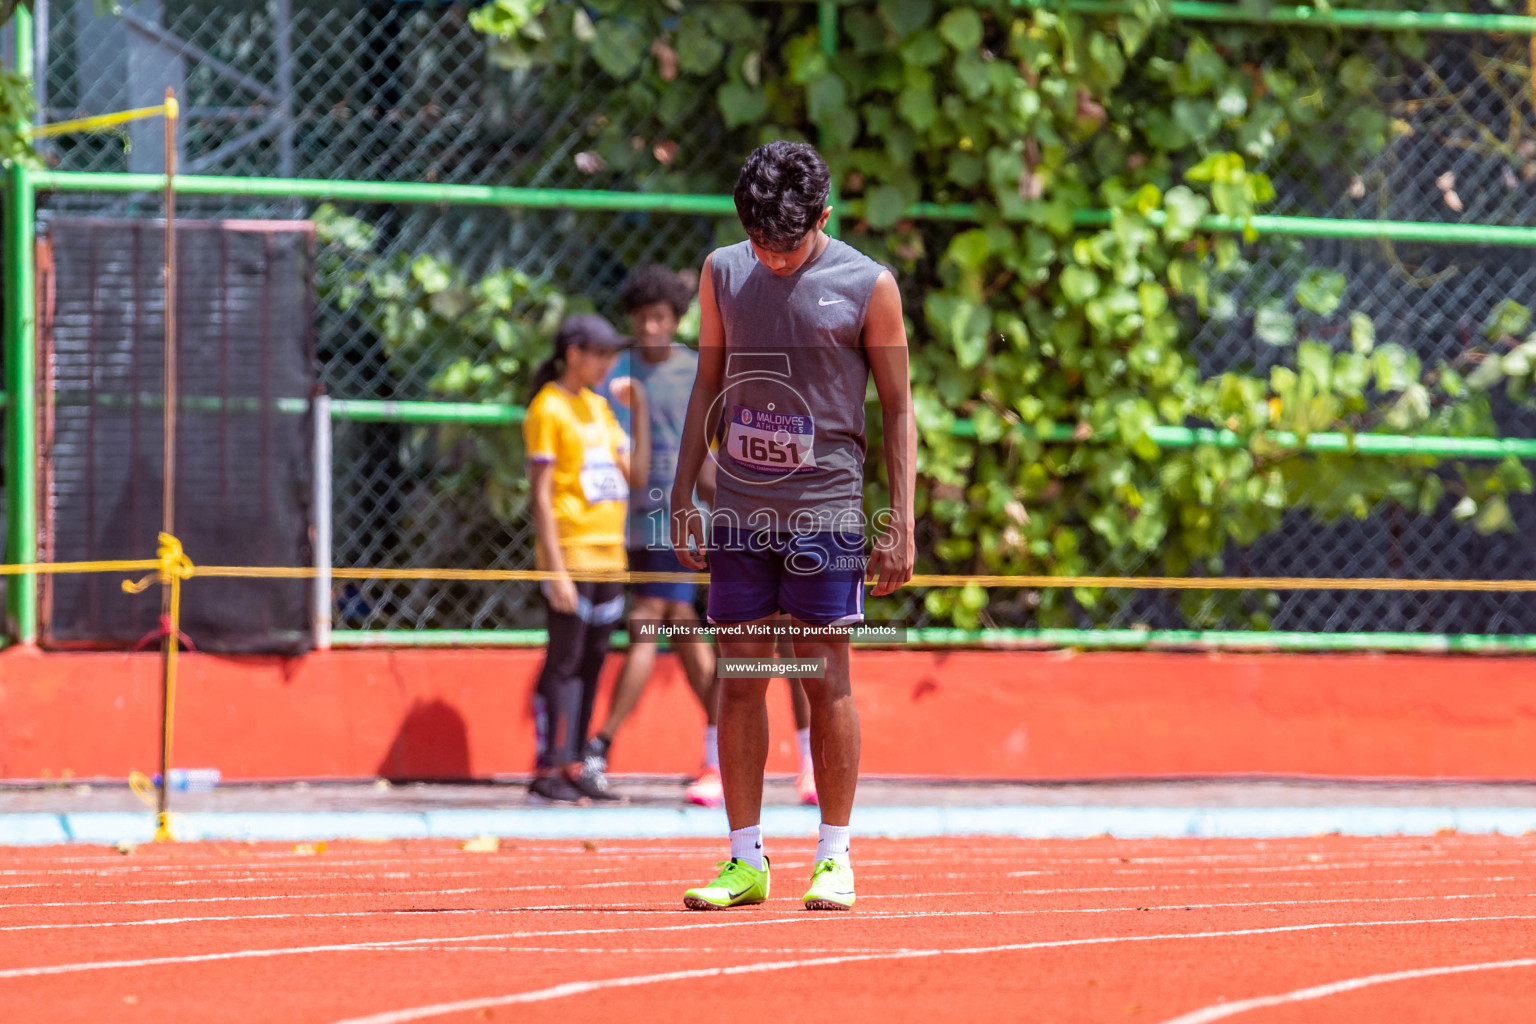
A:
(636, 465)
(562, 591)
(687, 523)
(885, 344)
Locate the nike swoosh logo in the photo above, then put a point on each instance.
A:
(823, 302)
(743, 892)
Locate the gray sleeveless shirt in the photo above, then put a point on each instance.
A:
(791, 412)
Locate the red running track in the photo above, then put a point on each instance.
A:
(1315, 930)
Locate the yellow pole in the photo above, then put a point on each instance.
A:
(170, 586)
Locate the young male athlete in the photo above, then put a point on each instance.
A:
(793, 323)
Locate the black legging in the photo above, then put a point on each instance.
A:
(578, 643)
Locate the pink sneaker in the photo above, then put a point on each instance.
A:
(706, 790)
(805, 788)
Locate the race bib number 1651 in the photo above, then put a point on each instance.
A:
(772, 442)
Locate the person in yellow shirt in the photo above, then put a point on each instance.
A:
(581, 467)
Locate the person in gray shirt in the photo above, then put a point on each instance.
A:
(793, 323)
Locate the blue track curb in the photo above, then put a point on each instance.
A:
(1024, 821)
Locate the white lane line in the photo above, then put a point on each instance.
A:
(345, 894)
(243, 899)
(247, 954)
(651, 908)
(385, 894)
(1220, 1010)
(604, 950)
(230, 917)
(576, 988)
(297, 863)
(799, 918)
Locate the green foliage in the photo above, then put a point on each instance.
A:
(482, 338)
(16, 107)
(17, 102)
(1025, 322)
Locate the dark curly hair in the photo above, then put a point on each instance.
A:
(654, 283)
(780, 193)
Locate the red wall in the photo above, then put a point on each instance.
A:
(1042, 715)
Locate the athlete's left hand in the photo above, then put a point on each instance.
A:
(890, 563)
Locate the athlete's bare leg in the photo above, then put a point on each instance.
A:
(638, 666)
(800, 704)
(744, 735)
(797, 701)
(834, 726)
(698, 658)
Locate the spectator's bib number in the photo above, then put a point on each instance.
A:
(772, 442)
(600, 476)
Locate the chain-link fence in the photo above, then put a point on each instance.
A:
(397, 91)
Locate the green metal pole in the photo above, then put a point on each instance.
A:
(1365, 230)
(392, 192)
(826, 25)
(1390, 21)
(1303, 227)
(20, 406)
(724, 206)
(1463, 643)
(373, 411)
(20, 372)
(496, 414)
(1321, 442)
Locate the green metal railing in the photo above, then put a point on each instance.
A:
(1120, 639)
(1315, 17)
(20, 375)
(20, 371)
(508, 197)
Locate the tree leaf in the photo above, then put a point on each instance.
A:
(969, 249)
(917, 107)
(741, 104)
(698, 50)
(1274, 324)
(1362, 333)
(618, 47)
(1320, 290)
(884, 206)
(906, 16)
(1184, 209)
(961, 28)
(824, 96)
(923, 49)
(1079, 284)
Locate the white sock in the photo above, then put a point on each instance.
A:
(711, 747)
(833, 843)
(747, 846)
(804, 737)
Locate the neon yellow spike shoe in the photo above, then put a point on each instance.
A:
(831, 887)
(738, 885)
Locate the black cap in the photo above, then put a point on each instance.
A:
(589, 331)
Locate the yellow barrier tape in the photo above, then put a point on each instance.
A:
(96, 122)
(1024, 582)
(143, 787)
(63, 568)
(174, 563)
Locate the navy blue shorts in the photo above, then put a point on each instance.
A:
(661, 560)
(818, 578)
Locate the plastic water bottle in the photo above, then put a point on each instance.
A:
(191, 780)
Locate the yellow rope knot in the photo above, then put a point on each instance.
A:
(174, 565)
